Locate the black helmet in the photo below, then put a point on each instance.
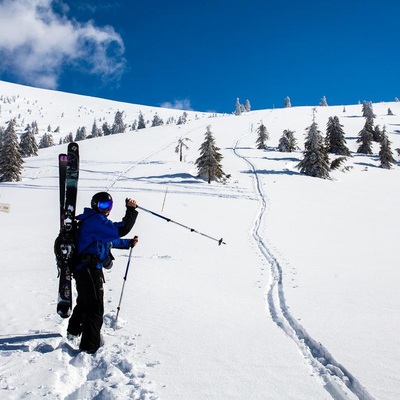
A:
(102, 201)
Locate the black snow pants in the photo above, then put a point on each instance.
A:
(87, 317)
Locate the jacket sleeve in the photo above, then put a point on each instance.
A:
(125, 226)
(121, 243)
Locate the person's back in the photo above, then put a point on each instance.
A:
(96, 235)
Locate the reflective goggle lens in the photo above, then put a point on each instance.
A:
(105, 205)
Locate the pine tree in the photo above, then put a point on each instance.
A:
(69, 138)
(157, 121)
(287, 102)
(28, 143)
(10, 155)
(385, 153)
(262, 138)
(209, 162)
(46, 141)
(366, 136)
(323, 102)
(238, 107)
(106, 129)
(141, 123)
(247, 106)
(80, 134)
(377, 134)
(182, 119)
(179, 148)
(315, 162)
(118, 125)
(35, 128)
(96, 132)
(335, 141)
(287, 142)
(367, 110)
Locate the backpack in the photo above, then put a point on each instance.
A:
(65, 247)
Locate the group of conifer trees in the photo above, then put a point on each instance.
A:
(315, 160)
(317, 148)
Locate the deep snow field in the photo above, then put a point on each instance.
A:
(301, 303)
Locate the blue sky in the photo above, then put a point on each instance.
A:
(204, 55)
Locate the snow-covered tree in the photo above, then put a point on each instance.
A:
(80, 134)
(157, 120)
(10, 155)
(46, 141)
(323, 102)
(389, 112)
(385, 153)
(315, 162)
(365, 138)
(367, 110)
(247, 106)
(106, 129)
(335, 140)
(288, 104)
(96, 131)
(35, 128)
(209, 163)
(182, 119)
(263, 136)
(118, 125)
(28, 143)
(287, 142)
(180, 146)
(238, 107)
(377, 134)
(69, 138)
(141, 124)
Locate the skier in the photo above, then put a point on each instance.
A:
(96, 235)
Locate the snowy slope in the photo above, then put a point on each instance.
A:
(301, 303)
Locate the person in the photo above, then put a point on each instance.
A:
(95, 237)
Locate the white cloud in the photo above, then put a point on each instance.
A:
(36, 44)
(178, 105)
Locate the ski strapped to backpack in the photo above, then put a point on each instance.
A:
(64, 246)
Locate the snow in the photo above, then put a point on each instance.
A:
(301, 303)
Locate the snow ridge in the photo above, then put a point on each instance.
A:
(335, 377)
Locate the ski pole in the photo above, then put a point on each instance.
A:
(220, 241)
(123, 286)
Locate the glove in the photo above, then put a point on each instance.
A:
(130, 203)
(133, 242)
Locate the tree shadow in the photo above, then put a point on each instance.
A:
(18, 342)
(271, 172)
(287, 159)
(172, 178)
(365, 164)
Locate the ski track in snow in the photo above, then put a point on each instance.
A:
(336, 378)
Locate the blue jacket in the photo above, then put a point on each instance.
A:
(97, 234)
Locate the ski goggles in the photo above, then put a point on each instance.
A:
(105, 205)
